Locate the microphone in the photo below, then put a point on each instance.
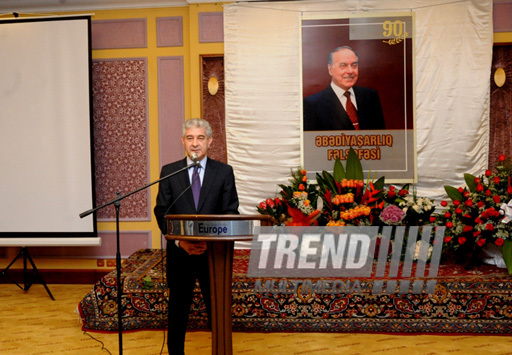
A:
(195, 158)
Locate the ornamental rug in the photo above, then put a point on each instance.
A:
(475, 301)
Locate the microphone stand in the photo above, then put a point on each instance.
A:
(117, 204)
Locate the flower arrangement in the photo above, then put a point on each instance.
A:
(476, 215)
(346, 199)
(295, 206)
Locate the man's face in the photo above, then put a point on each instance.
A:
(344, 69)
(195, 141)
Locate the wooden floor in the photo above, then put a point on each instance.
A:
(31, 323)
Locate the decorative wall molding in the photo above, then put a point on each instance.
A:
(213, 107)
(171, 108)
(211, 27)
(115, 34)
(121, 147)
(169, 31)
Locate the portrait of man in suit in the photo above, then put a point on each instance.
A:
(343, 105)
(206, 188)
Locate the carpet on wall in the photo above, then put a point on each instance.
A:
(476, 301)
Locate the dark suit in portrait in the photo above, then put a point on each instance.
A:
(218, 196)
(323, 111)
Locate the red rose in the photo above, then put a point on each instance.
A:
(496, 199)
(263, 205)
(467, 228)
(402, 192)
(469, 203)
(480, 242)
(458, 210)
(476, 233)
(488, 192)
(480, 204)
(499, 242)
(496, 179)
(391, 188)
(444, 203)
(479, 187)
(461, 240)
(391, 194)
(432, 219)
(461, 190)
(456, 203)
(447, 215)
(509, 190)
(489, 227)
(478, 220)
(492, 212)
(467, 194)
(449, 224)
(477, 180)
(447, 239)
(270, 202)
(501, 157)
(488, 173)
(278, 201)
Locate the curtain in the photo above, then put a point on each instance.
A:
(452, 60)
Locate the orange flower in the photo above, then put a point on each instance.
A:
(300, 219)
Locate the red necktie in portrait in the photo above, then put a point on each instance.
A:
(351, 110)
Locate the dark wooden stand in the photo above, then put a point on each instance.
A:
(220, 260)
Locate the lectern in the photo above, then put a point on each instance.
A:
(220, 232)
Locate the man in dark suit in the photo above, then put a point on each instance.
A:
(342, 105)
(187, 261)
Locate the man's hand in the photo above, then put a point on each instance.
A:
(193, 248)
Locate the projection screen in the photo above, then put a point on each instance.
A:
(46, 157)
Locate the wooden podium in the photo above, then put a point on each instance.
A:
(220, 232)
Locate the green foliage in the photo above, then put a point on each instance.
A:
(339, 171)
(453, 193)
(354, 168)
(470, 181)
(507, 254)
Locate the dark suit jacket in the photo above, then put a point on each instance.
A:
(218, 192)
(323, 111)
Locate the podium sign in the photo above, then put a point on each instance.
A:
(210, 228)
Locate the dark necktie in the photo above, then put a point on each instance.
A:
(351, 111)
(196, 185)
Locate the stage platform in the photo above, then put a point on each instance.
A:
(475, 301)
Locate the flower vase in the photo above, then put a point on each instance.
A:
(491, 254)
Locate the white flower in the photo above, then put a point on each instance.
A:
(417, 250)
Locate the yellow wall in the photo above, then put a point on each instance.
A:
(502, 37)
(191, 52)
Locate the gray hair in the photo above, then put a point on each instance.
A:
(329, 57)
(197, 122)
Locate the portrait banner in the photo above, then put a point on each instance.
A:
(371, 58)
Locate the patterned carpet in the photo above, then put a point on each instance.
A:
(465, 302)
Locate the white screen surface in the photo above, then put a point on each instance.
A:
(45, 126)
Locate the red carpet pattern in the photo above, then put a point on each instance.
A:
(465, 302)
